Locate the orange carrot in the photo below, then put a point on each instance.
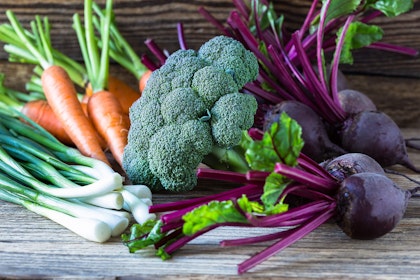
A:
(143, 80)
(60, 93)
(111, 122)
(125, 94)
(84, 103)
(88, 91)
(104, 109)
(36, 109)
(40, 112)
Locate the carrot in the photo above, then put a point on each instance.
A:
(110, 120)
(84, 103)
(40, 112)
(34, 108)
(125, 94)
(143, 80)
(104, 109)
(62, 97)
(58, 87)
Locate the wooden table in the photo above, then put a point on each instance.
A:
(32, 247)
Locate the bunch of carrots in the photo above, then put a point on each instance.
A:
(95, 120)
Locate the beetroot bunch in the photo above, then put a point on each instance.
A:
(295, 77)
(284, 189)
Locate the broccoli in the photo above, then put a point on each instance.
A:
(191, 107)
(232, 57)
(233, 112)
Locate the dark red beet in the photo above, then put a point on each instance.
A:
(377, 135)
(318, 145)
(346, 165)
(369, 205)
(353, 101)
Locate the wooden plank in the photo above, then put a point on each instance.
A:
(140, 19)
(34, 247)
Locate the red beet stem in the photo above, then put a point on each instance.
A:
(300, 232)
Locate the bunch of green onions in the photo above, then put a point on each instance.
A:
(56, 181)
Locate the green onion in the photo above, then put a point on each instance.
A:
(38, 172)
(90, 229)
(138, 208)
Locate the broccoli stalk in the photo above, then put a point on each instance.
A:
(227, 159)
(192, 112)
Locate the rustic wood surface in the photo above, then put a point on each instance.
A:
(32, 247)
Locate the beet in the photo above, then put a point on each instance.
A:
(297, 68)
(365, 206)
(353, 101)
(370, 205)
(318, 145)
(352, 163)
(377, 135)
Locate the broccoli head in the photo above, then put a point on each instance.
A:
(190, 106)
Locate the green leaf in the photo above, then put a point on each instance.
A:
(358, 35)
(338, 8)
(391, 8)
(273, 188)
(142, 236)
(281, 143)
(215, 212)
(250, 206)
(162, 254)
(267, 17)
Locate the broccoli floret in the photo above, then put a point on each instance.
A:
(177, 72)
(181, 66)
(175, 152)
(231, 56)
(189, 107)
(157, 86)
(210, 83)
(181, 105)
(233, 112)
(136, 166)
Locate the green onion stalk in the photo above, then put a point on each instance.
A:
(58, 182)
